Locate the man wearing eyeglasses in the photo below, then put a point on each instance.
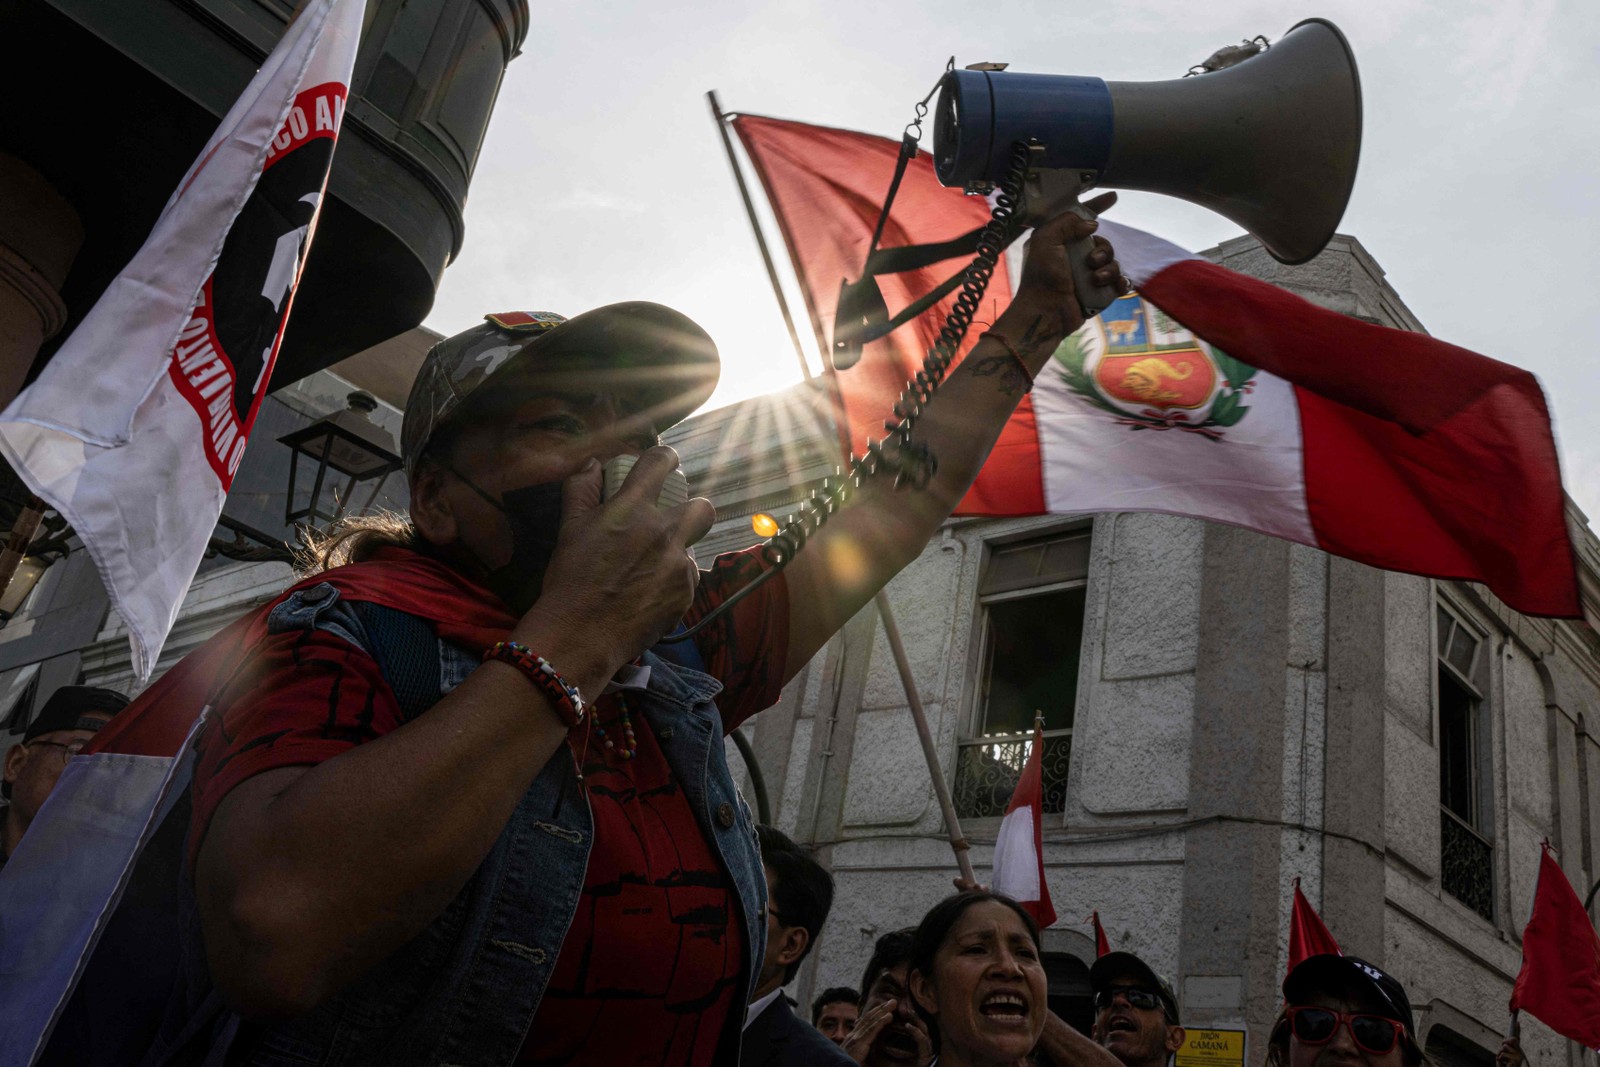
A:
(68, 720)
(799, 894)
(1135, 1013)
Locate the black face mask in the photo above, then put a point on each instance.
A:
(534, 514)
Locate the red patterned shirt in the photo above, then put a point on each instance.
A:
(650, 968)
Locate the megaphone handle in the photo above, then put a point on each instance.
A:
(1093, 297)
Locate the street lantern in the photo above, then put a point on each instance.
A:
(350, 445)
(29, 570)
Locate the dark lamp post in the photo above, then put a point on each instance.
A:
(352, 447)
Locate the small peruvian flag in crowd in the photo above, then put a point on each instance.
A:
(1308, 935)
(1207, 393)
(1019, 849)
(1560, 979)
(135, 428)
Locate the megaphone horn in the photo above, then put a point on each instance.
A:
(1270, 142)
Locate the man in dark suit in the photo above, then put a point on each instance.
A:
(799, 894)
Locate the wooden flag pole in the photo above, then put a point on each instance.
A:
(755, 228)
(930, 752)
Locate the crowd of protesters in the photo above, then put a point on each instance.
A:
(585, 885)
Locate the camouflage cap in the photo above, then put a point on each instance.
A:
(668, 365)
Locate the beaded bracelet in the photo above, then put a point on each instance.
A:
(1005, 342)
(568, 703)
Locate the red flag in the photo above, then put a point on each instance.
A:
(1207, 393)
(1308, 936)
(1560, 980)
(1019, 848)
(1101, 945)
(826, 187)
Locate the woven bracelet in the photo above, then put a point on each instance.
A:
(562, 694)
(1004, 342)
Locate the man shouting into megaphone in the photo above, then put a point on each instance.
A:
(454, 806)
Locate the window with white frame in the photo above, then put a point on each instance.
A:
(1031, 609)
(1466, 844)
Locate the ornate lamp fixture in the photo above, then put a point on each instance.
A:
(350, 445)
(30, 554)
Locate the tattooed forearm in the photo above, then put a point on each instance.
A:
(1013, 370)
(1009, 375)
(1036, 338)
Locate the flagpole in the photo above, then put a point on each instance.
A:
(755, 228)
(958, 842)
(930, 752)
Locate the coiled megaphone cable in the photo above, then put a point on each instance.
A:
(914, 465)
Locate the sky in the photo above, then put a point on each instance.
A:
(602, 177)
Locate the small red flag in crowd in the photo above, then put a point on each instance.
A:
(1560, 980)
(1019, 849)
(1308, 935)
(1101, 945)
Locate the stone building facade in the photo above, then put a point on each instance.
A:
(1224, 713)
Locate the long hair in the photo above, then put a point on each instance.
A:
(355, 539)
(936, 926)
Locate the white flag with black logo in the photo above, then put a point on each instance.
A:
(135, 428)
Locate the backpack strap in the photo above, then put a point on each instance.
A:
(407, 652)
(684, 654)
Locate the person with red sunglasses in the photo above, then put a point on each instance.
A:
(1341, 1010)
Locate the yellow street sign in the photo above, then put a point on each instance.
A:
(1213, 1048)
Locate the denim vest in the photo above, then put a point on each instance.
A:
(465, 990)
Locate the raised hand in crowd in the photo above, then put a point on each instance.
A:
(889, 1032)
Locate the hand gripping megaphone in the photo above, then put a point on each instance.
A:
(1270, 142)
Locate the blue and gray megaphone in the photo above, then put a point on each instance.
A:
(1270, 142)
(1268, 137)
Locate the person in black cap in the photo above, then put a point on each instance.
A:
(1339, 1010)
(68, 720)
(586, 887)
(1135, 1013)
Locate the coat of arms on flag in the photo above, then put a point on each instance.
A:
(1148, 372)
(1381, 445)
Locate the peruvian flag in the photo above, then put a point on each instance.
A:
(1102, 946)
(1559, 983)
(1207, 393)
(134, 430)
(1308, 935)
(1019, 849)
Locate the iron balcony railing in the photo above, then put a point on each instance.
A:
(989, 766)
